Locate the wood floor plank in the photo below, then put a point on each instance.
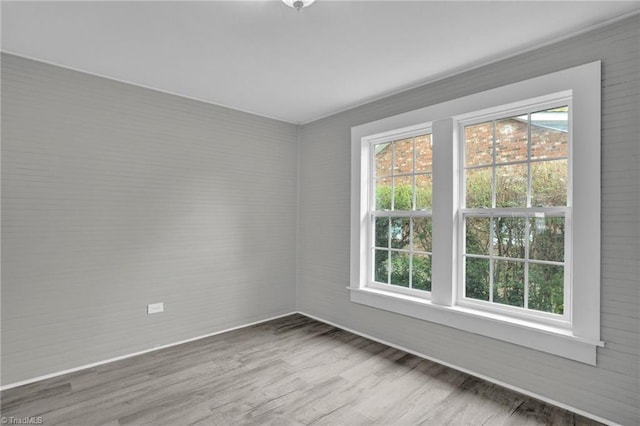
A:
(290, 371)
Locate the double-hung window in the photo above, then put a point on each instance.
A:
(400, 211)
(483, 213)
(514, 208)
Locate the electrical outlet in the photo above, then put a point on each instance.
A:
(155, 308)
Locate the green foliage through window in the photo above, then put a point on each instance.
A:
(410, 267)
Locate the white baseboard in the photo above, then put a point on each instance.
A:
(118, 358)
(470, 372)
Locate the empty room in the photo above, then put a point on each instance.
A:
(281, 212)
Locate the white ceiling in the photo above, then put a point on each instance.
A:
(263, 57)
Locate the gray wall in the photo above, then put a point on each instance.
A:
(609, 390)
(115, 196)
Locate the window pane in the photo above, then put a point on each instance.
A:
(509, 236)
(478, 144)
(421, 274)
(383, 153)
(511, 139)
(478, 187)
(508, 283)
(400, 269)
(403, 162)
(382, 232)
(383, 194)
(546, 288)
(424, 191)
(400, 233)
(511, 186)
(478, 233)
(381, 266)
(549, 183)
(550, 133)
(403, 193)
(546, 236)
(424, 153)
(476, 278)
(422, 234)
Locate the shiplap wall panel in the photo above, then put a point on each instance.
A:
(609, 390)
(115, 196)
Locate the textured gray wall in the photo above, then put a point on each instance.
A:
(115, 196)
(609, 390)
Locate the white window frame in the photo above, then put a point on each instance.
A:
(576, 337)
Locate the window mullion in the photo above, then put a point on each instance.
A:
(494, 190)
(414, 200)
(494, 183)
(393, 179)
(445, 204)
(492, 231)
(411, 249)
(526, 262)
(389, 248)
(527, 225)
(529, 178)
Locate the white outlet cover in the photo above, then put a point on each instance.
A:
(154, 308)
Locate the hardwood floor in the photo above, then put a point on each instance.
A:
(290, 371)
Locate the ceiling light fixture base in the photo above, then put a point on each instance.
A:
(298, 4)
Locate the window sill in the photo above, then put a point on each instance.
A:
(545, 338)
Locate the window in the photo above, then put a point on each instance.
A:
(400, 211)
(514, 208)
(482, 213)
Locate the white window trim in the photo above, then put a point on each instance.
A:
(583, 84)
